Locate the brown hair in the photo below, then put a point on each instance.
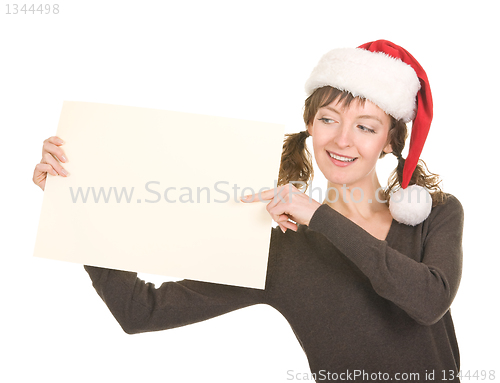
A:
(296, 161)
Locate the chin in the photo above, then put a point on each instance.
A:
(350, 177)
(341, 181)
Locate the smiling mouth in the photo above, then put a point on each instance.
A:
(341, 158)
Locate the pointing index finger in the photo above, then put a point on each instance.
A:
(261, 196)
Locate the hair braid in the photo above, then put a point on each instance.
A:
(296, 161)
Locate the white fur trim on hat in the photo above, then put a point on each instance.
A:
(388, 82)
(411, 206)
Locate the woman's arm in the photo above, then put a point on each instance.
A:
(426, 289)
(140, 307)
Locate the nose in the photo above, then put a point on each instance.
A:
(343, 137)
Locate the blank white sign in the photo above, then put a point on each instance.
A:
(157, 192)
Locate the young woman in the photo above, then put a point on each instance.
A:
(365, 282)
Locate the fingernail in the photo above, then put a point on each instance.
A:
(283, 230)
(64, 172)
(60, 141)
(64, 159)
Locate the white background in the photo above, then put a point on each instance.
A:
(235, 59)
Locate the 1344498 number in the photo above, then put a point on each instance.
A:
(42, 9)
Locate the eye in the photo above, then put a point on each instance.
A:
(365, 129)
(326, 120)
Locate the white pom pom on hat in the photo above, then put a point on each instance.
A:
(391, 78)
(410, 206)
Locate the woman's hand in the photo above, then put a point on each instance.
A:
(288, 204)
(51, 155)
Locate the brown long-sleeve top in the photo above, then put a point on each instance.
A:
(355, 303)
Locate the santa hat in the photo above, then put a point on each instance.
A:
(390, 77)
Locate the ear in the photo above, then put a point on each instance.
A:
(309, 128)
(387, 149)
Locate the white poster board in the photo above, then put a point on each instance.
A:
(157, 192)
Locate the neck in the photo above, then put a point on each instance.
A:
(360, 200)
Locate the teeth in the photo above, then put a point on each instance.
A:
(339, 158)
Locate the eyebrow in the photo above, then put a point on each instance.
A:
(365, 116)
(332, 109)
(372, 117)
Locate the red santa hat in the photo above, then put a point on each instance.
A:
(390, 77)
